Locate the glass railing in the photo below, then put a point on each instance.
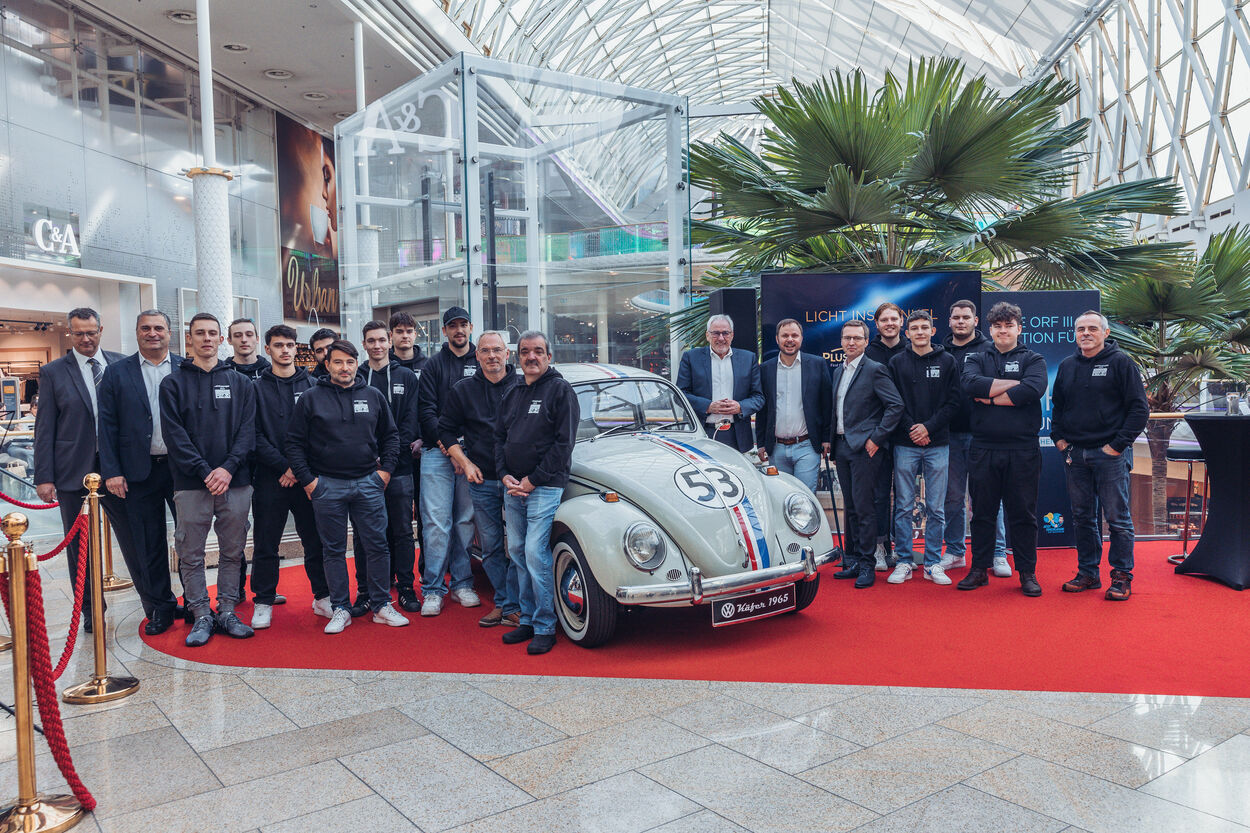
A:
(584, 243)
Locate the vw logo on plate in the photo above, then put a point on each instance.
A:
(727, 610)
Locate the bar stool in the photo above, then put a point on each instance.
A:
(1188, 454)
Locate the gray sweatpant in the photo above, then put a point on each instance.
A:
(197, 510)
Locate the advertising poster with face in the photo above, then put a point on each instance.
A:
(308, 204)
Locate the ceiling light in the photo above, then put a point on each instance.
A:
(279, 74)
(316, 96)
(183, 16)
(343, 114)
(235, 47)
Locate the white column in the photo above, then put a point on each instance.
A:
(603, 330)
(472, 195)
(678, 211)
(534, 255)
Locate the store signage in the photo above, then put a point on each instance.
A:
(54, 238)
(52, 235)
(308, 223)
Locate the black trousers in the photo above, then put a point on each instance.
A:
(271, 504)
(71, 505)
(1010, 476)
(883, 505)
(857, 474)
(148, 554)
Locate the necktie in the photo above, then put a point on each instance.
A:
(97, 372)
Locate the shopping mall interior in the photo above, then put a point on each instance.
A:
(610, 173)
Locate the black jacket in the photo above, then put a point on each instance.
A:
(416, 364)
(275, 402)
(931, 394)
(341, 432)
(961, 422)
(536, 429)
(441, 371)
(879, 353)
(253, 370)
(208, 420)
(65, 429)
(814, 371)
(469, 412)
(871, 409)
(398, 385)
(1002, 426)
(1099, 401)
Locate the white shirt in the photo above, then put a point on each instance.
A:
(84, 367)
(848, 373)
(722, 382)
(790, 419)
(152, 376)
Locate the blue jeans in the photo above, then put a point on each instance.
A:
(800, 460)
(931, 462)
(446, 508)
(500, 569)
(362, 500)
(956, 509)
(529, 545)
(399, 541)
(1097, 479)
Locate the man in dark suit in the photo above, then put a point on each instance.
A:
(722, 384)
(792, 428)
(135, 466)
(866, 409)
(65, 431)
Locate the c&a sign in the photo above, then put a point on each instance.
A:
(52, 235)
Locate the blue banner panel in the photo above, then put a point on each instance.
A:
(822, 303)
(1049, 329)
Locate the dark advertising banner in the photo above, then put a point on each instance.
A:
(822, 303)
(1049, 329)
(308, 224)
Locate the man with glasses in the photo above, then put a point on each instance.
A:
(65, 432)
(722, 385)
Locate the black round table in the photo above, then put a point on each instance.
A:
(1223, 551)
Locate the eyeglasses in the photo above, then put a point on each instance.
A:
(720, 333)
(83, 333)
(492, 350)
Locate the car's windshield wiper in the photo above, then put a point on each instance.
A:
(633, 426)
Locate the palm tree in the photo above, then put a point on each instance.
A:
(925, 172)
(1182, 331)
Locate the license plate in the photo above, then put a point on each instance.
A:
(753, 606)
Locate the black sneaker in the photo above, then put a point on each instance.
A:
(977, 577)
(1082, 582)
(201, 632)
(524, 633)
(867, 575)
(1121, 586)
(361, 607)
(541, 644)
(158, 623)
(409, 600)
(1028, 584)
(232, 626)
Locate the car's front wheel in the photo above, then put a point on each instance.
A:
(587, 614)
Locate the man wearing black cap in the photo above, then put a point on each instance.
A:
(446, 506)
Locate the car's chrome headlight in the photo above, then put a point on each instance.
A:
(644, 545)
(802, 514)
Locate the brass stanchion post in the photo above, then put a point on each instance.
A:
(112, 581)
(32, 813)
(101, 687)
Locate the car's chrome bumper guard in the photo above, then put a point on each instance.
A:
(697, 588)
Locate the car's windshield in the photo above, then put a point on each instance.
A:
(625, 405)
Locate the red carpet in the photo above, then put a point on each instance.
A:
(1176, 635)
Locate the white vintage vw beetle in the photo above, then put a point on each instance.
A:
(657, 514)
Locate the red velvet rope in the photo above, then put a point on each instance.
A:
(80, 584)
(80, 529)
(45, 690)
(17, 502)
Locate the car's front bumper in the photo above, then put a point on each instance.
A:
(698, 589)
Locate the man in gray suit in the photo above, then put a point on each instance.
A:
(65, 432)
(866, 409)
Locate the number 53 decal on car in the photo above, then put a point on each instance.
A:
(709, 485)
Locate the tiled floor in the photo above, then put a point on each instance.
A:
(201, 748)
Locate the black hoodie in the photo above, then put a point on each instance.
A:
(253, 370)
(880, 353)
(399, 385)
(441, 371)
(275, 402)
(341, 432)
(416, 364)
(469, 412)
(208, 420)
(536, 429)
(961, 422)
(931, 392)
(1099, 401)
(1014, 426)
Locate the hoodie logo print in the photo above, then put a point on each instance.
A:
(360, 406)
(221, 391)
(1011, 367)
(933, 372)
(1100, 370)
(536, 406)
(397, 389)
(470, 370)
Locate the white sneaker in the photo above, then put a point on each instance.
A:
(937, 575)
(341, 619)
(262, 616)
(902, 572)
(433, 605)
(880, 554)
(388, 615)
(1001, 568)
(322, 607)
(466, 596)
(949, 561)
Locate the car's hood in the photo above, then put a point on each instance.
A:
(664, 475)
